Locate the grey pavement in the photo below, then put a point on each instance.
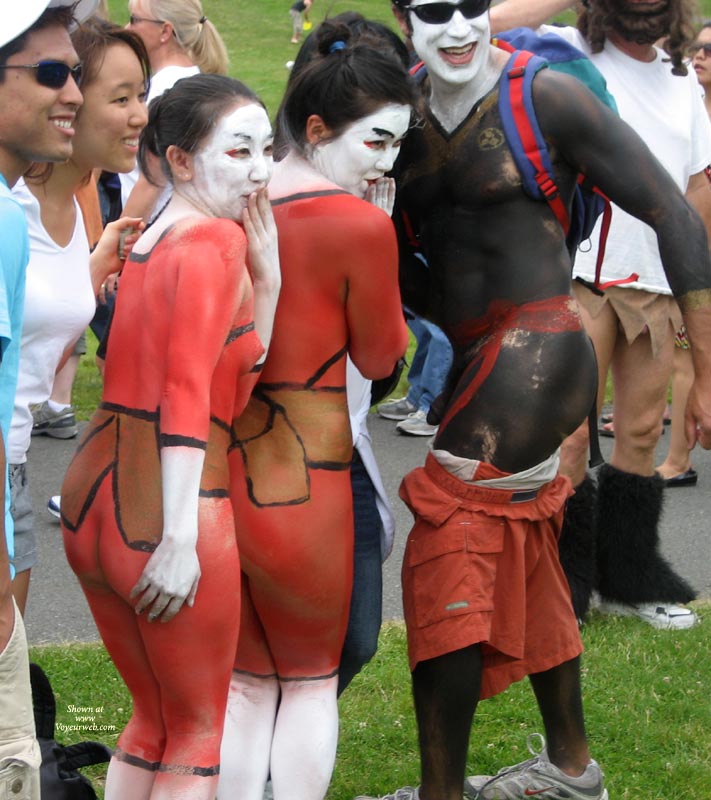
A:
(57, 611)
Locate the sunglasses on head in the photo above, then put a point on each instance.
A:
(52, 74)
(439, 13)
(694, 48)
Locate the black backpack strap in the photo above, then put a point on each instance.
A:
(84, 754)
(43, 702)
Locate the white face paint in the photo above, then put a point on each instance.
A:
(234, 161)
(365, 151)
(455, 52)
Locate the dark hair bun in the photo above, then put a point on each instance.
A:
(333, 37)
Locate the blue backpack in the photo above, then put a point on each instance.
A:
(530, 53)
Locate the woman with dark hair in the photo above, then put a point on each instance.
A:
(342, 119)
(63, 280)
(148, 526)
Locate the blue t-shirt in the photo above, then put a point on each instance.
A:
(14, 255)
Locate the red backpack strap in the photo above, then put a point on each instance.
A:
(519, 107)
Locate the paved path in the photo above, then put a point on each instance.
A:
(57, 610)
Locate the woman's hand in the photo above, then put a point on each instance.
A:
(262, 241)
(112, 249)
(169, 579)
(263, 263)
(382, 194)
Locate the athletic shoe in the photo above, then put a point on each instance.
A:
(416, 425)
(53, 505)
(57, 424)
(396, 409)
(537, 778)
(406, 793)
(665, 616)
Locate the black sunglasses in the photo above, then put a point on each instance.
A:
(694, 48)
(52, 74)
(439, 13)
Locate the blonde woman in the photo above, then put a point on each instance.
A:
(181, 41)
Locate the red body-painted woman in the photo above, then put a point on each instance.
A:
(148, 525)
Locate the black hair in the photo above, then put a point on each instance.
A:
(186, 113)
(64, 16)
(348, 76)
(92, 39)
(598, 17)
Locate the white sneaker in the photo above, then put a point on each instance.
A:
(53, 505)
(398, 409)
(416, 425)
(665, 616)
(537, 778)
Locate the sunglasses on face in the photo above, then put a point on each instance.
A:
(694, 48)
(52, 74)
(439, 13)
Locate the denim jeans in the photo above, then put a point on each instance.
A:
(430, 364)
(367, 599)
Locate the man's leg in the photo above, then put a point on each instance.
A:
(640, 381)
(560, 702)
(446, 693)
(578, 536)
(437, 363)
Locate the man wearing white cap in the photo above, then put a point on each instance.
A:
(39, 98)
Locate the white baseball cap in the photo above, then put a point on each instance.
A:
(17, 16)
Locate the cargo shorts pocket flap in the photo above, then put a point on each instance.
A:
(453, 572)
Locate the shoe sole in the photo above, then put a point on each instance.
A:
(58, 433)
(683, 624)
(415, 433)
(393, 416)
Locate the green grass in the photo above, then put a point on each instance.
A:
(646, 700)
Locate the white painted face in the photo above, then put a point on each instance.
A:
(365, 151)
(234, 161)
(455, 52)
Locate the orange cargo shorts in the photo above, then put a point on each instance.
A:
(481, 566)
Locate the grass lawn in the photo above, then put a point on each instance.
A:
(646, 692)
(646, 699)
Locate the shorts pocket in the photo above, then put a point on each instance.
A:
(452, 570)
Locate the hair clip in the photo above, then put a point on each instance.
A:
(336, 46)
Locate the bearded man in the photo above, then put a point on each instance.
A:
(632, 326)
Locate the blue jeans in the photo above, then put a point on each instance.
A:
(430, 364)
(367, 599)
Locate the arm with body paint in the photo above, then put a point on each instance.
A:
(613, 157)
(376, 325)
(209, 276)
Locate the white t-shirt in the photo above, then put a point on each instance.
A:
(59, 304)
(162, 80)
(667, 112)
(358, 394)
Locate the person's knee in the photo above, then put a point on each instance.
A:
(574, 454)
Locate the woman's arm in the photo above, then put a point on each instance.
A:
(112, 248)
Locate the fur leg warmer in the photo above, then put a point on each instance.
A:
(630, 566)
(576, 546)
